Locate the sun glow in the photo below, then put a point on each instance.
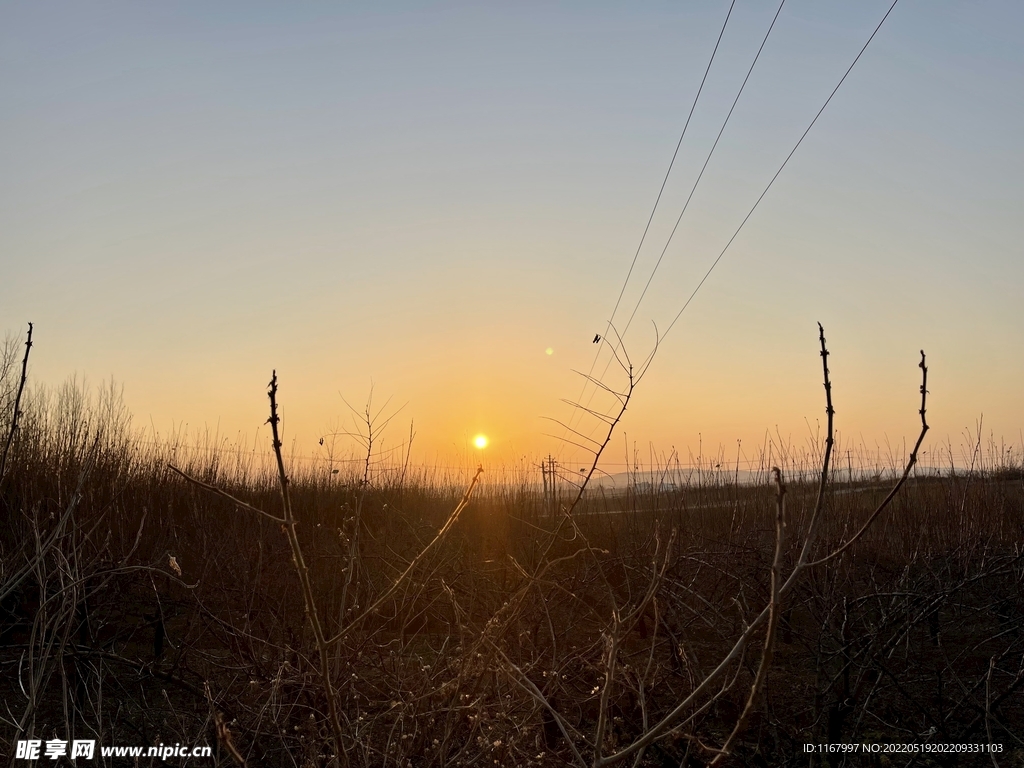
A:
(480, 441)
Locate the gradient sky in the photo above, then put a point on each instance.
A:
(427, 197)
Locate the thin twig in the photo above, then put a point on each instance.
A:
(226, 495)
(303, 572)
(773, 616)
(903, 478)
(17, 406)
(988, 709)
(452, 519)
(528, 685)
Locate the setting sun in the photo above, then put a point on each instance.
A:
(480, 441)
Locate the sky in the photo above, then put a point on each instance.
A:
(439, 203)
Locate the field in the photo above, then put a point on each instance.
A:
(394, 617)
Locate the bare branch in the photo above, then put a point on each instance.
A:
(773, 615)
(452, 519)
(903, 478)
(220, 492)
(16, 414)
(575, 432)
(303, 573)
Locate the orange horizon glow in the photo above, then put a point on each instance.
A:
(459, 226)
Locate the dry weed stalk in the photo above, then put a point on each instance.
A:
(370, 428)
(303, 572)
(289, 525)
(16, 412)
(438, 538)
(774, 608)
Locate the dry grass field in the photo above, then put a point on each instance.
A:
(393, 618)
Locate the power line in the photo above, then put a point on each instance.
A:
(657, 200)
(670, 165)
(777, 173)
(704, 167)
(781, 167)
(679, 219)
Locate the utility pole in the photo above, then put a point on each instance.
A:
(552, 486)
(544, 475)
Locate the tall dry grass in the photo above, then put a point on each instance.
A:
(138, 607)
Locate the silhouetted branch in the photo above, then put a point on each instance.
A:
(225, 494)
(303, 572)
(16, 414)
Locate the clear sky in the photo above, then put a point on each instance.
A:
(428, 197)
